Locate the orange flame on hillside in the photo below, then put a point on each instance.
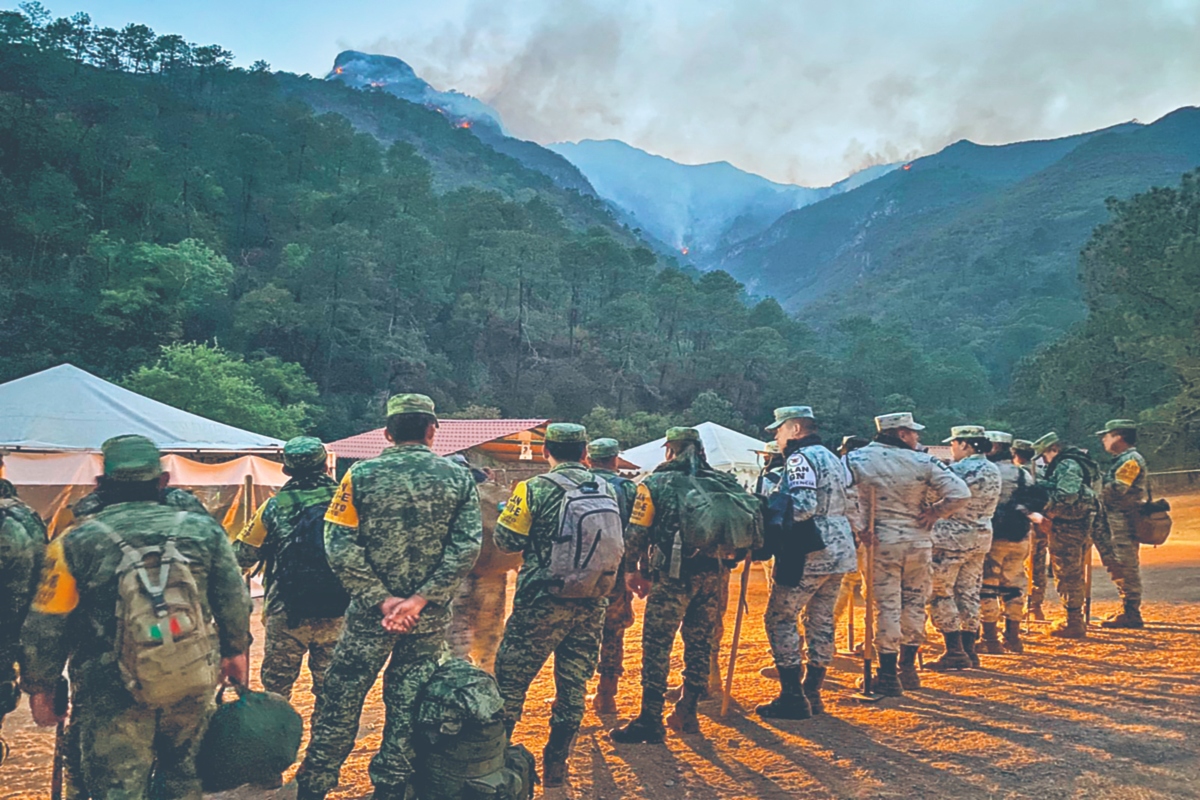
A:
(463, 124)
(685, 250)
(338, 70)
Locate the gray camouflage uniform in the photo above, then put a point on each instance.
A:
(960, 546)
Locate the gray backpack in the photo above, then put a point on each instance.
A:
(587, 550)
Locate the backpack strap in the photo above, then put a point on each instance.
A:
(560, 480)
(135, 558)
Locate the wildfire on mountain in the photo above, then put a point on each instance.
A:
(906, 167)
(338, 70)
(466, 123)
(685, 250)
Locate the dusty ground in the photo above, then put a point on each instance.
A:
(1117, 716)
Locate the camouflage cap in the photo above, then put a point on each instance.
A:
(7, 490)
(1022, 444)
(410, 404)
(1045, 443)
(604, 448)
(902, 419)
(304, 452)
(999, 437)
(1117, 425)
(852, 442)
(785, 413)
(131, 458)
(565, 432)
(682, 434)
(966, 432)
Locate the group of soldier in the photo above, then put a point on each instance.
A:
(402, 531)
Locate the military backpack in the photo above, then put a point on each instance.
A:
(717, 516)
(299, 566)
(589, 544)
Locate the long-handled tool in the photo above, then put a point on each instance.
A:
(737, 634)
(62, 698)
(867, 695)
(1087, 584)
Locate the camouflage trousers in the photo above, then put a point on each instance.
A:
(815, 597)
(617, 620)
(1005, 568)
(901, 587)
(568, 629)
(956, 576)
(478, 621)
(1120, 552)
(286, 646)
(119, 740)
(694, 602)
(1039, 542)
(362, 650)
(1069, 540)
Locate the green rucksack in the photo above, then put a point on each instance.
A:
(717, 516)
(251, 740)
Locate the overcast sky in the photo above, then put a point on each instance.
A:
(799, 91)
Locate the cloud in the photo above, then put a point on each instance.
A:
(807, 91)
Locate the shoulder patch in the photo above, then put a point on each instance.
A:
(341, 509)
(1127, 473)
(57, 593)
(800, 473)
(255, 533)
(517, 516)
(643, 508)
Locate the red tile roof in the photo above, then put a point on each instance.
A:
(453, 436)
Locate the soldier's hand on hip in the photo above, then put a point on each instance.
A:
(41, 706)
(927, 517)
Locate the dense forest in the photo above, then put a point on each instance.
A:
(199, 233)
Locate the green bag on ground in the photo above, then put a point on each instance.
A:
(251, 740)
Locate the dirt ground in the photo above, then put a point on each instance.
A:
(1116, 716)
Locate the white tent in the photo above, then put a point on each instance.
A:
(66, 408)
(727, 450)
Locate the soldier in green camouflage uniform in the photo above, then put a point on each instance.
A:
(290, 636)
(172, 496)
(693, 599)
(402, 532)
(1124, 490)
(1070, 507)
(602, 456)
(72, 617)
(541, 622)
(22, 543)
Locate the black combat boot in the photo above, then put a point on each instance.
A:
(791, 702)
(991, 639)
(814, 679)
(967, 638)
(887, 682)
(910, 679)
(1073, 628)
(683, 716)
(1131, 617)
(1012, 636)
(647, 727)
(954, 657)
(555, 753)
(605, 701)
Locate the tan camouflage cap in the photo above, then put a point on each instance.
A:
(304, 452)
(681, 434)
(566, 432)
(902, 419)
(410, 404)
(604, 448)
(966, 432)
(999, 437)
(785, 413)
(1045, 443)
(131, 459)
(1022, 444)
(1117, 425)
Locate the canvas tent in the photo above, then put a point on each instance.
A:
(727, 450)
(53, 422)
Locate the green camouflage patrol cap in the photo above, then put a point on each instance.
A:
(604, 448)
(785, 413)
(999, 437)
(566, 432)
(1022, 444)
(131, 458)
(304, 452)
(410, 404)
(1117, 425)
(966, 432)
(7, 490)
(681, 434)
(1045, 443)
(902, 419)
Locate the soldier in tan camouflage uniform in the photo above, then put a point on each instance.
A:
(1125, 489)
(542, 623)
(402, 532)
(904, 482)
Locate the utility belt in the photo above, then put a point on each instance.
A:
(675, 563)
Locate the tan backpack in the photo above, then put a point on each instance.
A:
(165, 645)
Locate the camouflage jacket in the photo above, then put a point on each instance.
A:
(405, 523)
(657, 513)
(817, 481)
(174, 497)
(272, 523)
(22, 544)
(1068, 483)
(72, 613)
(528, 524)
(1126, 485)
(905, 483)
(969, 528)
